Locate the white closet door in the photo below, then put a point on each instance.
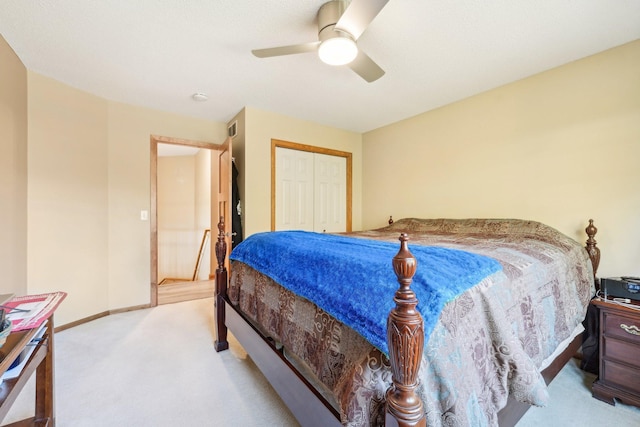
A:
(294, 190)
(330, 193)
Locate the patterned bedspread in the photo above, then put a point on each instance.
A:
(489, 343)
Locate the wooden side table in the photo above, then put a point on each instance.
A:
(40, 362)
(619, 353)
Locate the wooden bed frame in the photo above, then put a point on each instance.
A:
(405, 338)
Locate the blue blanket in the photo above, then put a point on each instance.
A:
(353, 280)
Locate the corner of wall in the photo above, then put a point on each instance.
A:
(13, 170)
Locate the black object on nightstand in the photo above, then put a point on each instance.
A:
(626, 287)
(590, 360)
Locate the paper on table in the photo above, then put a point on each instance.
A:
(25, 310)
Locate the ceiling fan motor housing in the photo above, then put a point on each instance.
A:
(328, 15)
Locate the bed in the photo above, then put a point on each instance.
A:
(484, 360)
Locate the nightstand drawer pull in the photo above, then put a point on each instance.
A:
(633, 330)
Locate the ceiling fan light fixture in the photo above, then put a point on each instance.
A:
(339, 50)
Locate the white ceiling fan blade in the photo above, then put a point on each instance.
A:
(286, 50)
(366, 68)
(359, 15)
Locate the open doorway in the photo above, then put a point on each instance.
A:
(184, 210)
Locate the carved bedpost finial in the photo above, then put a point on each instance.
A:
(221, 244)
(405, 338)
(592, 249)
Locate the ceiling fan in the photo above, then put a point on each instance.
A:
(340, 24)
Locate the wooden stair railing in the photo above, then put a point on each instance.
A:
(196, 270)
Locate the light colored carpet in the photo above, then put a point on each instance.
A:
(571, 404)
(157, 367)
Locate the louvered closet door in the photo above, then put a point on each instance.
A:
(294, 190)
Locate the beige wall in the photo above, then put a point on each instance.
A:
(129, 190)
(13, 172)
(67, 196)
(559, 147)
(176, 192)
(260, 128)
(205, 168)
(176, 215)
(89, 178)
(184, 213)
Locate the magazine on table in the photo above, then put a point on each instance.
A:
(30, 311)
(16, 367)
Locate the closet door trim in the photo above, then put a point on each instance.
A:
(313, 149)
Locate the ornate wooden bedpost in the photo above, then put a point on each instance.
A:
(405, 338)
(593, 250)
(221, 342)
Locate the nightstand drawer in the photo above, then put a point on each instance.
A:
(621, 351)
(621, 375)
(616, 325)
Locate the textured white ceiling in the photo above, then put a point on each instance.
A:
(157, 53)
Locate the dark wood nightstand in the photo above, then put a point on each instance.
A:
(619, 353)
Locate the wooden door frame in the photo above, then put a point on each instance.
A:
(153, 215)
(275, 143)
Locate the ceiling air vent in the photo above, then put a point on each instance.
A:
(233, 129)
